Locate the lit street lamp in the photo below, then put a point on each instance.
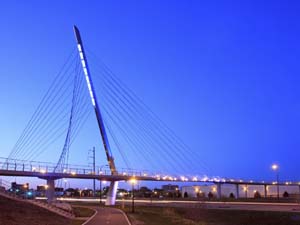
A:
(246, 191)
(275, 167)
(133, 182)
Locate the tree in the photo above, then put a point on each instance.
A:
(210, 195)
(257, 195)
(145, 192)
(185, 195)
(231, 195)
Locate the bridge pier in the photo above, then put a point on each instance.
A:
(112, 193)
(50, 190)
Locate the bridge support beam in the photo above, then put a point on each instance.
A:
(112, 193)
(50, 190)
(237, 191)
(219, 191)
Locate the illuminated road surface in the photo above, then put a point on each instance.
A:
(108, 216)
(257, 206)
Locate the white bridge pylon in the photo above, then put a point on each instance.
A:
(112, 192)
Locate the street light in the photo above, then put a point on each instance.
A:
(133, 182)
(246, 191)
(197, 191)
(275, 167)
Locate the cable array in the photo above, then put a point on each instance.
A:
(137, 136)
(146, 140)
(58, 118)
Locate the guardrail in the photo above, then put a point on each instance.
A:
(46, 167)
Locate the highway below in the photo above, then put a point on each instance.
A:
(256, 206)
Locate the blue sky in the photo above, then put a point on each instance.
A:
(226, 71)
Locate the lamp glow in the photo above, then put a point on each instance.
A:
(275, 167)
(133, 181)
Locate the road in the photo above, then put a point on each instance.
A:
(256, 206)
(108, 216)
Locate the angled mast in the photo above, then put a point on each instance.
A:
(93, 96)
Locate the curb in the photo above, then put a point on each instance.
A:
(124, 214)
(91, 216)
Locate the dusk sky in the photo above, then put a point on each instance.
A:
(224, 75)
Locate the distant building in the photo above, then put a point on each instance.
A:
(19, 188)
(59, 191)
(41, 188)
(244, 191)
(198, 190)
(22, 190)
(170, 188)
(41, 191)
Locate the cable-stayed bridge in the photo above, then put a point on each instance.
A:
(131, 134)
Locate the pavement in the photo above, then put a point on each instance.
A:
(108, 216)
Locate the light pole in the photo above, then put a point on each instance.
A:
(275, 167)
(133, 182)
(94, 172)
(197, 192)
(101, 173)
(100, 191)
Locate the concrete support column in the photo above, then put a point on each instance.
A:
(50, 191)
(266, 190)
(219, 191)
(237, 191)
(112, 193)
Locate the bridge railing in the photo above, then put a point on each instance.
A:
(45, 167)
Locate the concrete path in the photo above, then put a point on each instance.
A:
(108, 216)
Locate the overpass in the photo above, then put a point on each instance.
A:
(44, 171)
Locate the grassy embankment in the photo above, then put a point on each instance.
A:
(197, 216)
(22, 213)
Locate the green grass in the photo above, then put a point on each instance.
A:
(16, 213)
(82, 211)
(157, 216)
(200, 216)
(77, 222)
